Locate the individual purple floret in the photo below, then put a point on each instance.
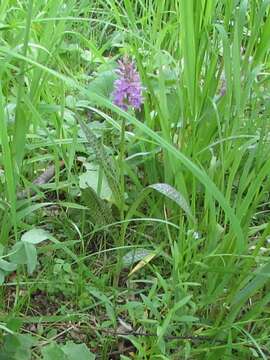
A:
(128, 87)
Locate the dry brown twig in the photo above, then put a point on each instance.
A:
(42, 179)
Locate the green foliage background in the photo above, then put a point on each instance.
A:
(158, 217)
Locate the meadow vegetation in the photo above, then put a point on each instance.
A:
(134, 233)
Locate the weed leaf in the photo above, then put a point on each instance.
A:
(35, 236)
(174, 195)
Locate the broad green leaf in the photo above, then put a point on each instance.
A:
(77, 351)
(103, 83)
(103, 159)
(18, 254)
(31, 254)
(35, 236)
(117, 39)
(16, 347)
(90, 178)
(53, 352)
(7, 266)
(174, 195)
(134, 256)
(24, 253)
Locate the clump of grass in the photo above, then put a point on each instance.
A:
(151, 239)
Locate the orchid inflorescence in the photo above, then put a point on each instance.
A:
(127, 88)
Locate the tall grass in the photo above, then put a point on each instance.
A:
(201, 288)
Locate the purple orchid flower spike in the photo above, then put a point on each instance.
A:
(127, 88)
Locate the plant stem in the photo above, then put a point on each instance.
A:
(120, 241)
